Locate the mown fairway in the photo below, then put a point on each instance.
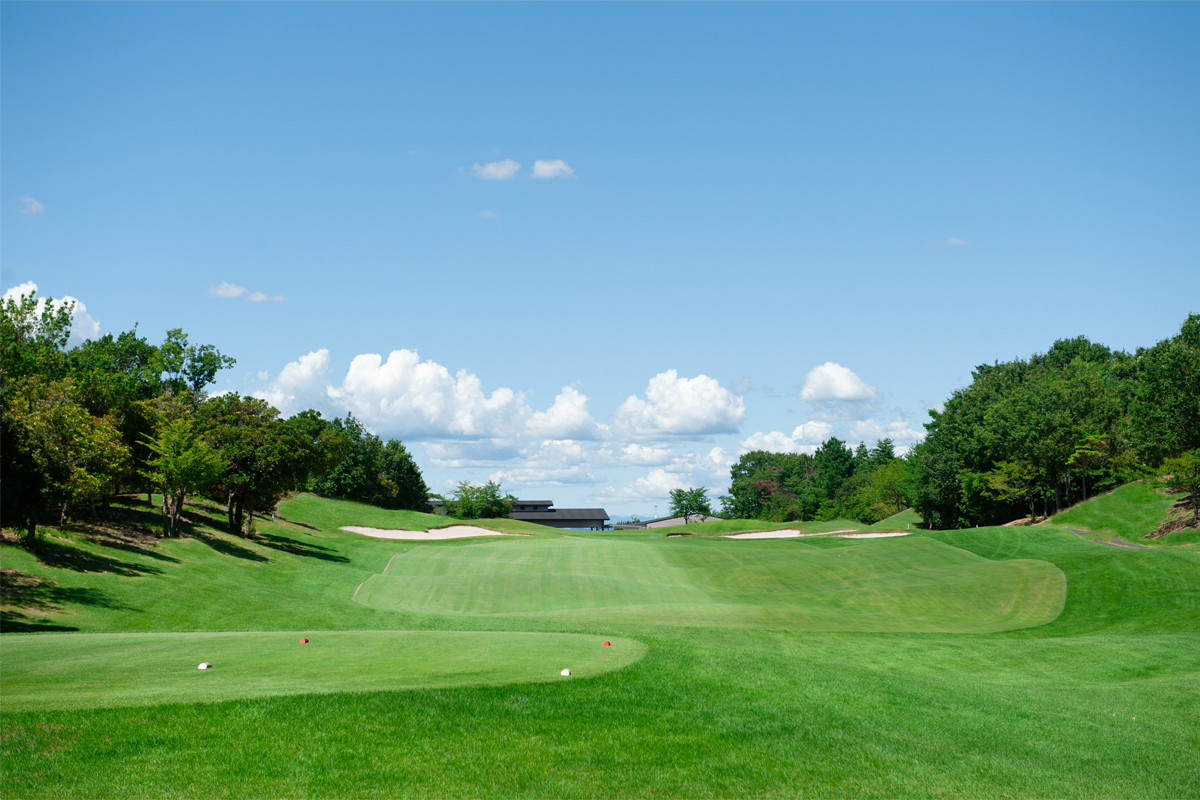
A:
(984, 662)
(902, 584)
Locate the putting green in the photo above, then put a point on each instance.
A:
(905, 584)
(133, 669)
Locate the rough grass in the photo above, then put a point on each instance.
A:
(330, 514)
(1099, 702)
(1130, 511)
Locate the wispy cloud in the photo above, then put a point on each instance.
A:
(496, 170)
(226, 289)
(742, 387)
(552, 168)
(951, 242)
(489, 215)
(31, 206)
(233, 290)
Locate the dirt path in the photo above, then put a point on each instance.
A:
(1116, 541)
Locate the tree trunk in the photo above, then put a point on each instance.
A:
(31, 532)
(1083, 481)
(62, 516)
(1057, 497)
(229, 511)
(166, 511)
(249, 520)
(178, 505)
(237, 518)
(93, 501)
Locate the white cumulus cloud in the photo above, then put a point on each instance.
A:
(635, 454)
(690, 470)
(552, 168)
(837, 393)
(31, 206)
(804, 439)
(898, 430)
(83, 326)
(676, 406)
(496, 170)
(405, 396)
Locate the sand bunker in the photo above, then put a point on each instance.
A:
(788, 533)
(785, 533)
(452, 532)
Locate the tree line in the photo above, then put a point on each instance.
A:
(1026, 436)
(835, 481)
(119, 415)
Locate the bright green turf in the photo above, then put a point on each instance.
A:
(756, 709)
(728, 526)
(331, 514)
(112, 669)
(1130, 512)
(903, 584)
(906, 520)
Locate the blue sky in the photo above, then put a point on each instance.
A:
(770, 222)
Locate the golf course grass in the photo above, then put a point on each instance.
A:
(111, 669)
(906, 584)
(989, 662)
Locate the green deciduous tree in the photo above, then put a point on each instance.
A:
(62, 453)
(479, 501)
(1016, 481)
(688, 503)
(1165, 409)
(181, 463)
(1182, 473)
(371, 470)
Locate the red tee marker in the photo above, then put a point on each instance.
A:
(304, 641)
(608, 644)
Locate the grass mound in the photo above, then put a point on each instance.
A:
(111, 669)
(1130, 511)
(909, 584)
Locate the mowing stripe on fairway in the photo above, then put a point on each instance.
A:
(58, 671)
(901, 584)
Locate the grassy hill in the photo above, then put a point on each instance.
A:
(1129, 512)
(982, 662)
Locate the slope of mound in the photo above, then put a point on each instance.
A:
(1130, 511)
(905, 520)
(133, 669)
(330, 514)
(910, 584)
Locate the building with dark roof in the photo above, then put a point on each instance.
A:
(543, 513)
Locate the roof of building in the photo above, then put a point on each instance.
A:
(561, 513)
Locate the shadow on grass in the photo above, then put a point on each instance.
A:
(62, 555)
(303, 549)
(28, 599)
(218, 543)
